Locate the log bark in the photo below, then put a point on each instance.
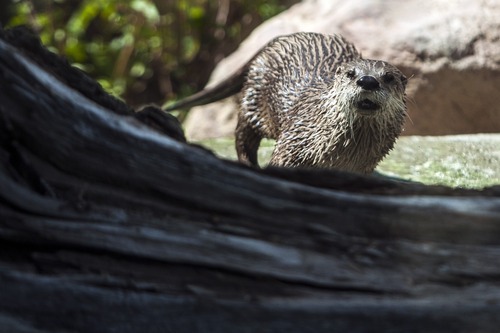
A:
(107, 224)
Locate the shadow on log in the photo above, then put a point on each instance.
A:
(107, 224)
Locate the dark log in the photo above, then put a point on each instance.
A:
(109, 225)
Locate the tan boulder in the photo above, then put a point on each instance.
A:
(450, 50)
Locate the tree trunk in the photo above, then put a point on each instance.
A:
(109, 225)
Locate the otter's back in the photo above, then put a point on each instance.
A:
(287, 67)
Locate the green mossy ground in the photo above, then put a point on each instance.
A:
(468, 161)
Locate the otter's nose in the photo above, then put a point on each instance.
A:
(368, 82)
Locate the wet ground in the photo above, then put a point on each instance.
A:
(470, 161)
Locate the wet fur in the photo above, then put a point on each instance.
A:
(301, 91)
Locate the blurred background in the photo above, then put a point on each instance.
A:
(143, 51)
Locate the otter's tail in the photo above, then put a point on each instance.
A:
(226, 88)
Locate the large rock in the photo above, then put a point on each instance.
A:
(450, 50)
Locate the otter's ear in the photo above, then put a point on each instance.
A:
(404, 80)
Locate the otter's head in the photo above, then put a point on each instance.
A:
(371, 88)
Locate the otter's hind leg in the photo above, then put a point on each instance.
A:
(247, 142)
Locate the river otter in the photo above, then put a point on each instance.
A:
(324, 104)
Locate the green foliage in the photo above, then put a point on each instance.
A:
(101, 37)
(131, 47)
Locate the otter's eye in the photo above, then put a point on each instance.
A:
(351, 73)
(388, 77)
